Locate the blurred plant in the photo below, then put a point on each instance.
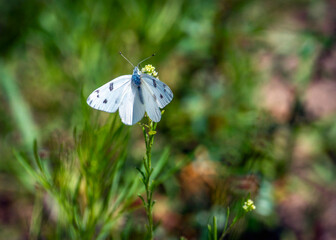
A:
(248, 206)
(87, 190)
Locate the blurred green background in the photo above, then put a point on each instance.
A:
(254, 108)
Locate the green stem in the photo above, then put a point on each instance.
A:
(226, 230)
(149, 140)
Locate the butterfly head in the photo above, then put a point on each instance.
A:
(136, 71)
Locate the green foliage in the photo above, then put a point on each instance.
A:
(86, 184)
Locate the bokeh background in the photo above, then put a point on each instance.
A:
(254, 107)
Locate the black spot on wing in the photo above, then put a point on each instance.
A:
(161, 96)
(91, 102)
(154, 83)
(111, 86)
(105, 101)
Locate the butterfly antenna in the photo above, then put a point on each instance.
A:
(146, 59)
(126, 59)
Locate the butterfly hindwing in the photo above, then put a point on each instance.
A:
(151, 105)
(132, 108)
(109, 96)
(162, 92)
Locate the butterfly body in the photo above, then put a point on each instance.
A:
(133, 95)
(136, 76)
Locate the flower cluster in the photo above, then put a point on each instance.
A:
(249, 205)
(150, 70)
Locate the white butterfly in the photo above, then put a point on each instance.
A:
(132, 95)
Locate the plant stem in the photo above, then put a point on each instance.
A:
(226, 229)
(149, 186)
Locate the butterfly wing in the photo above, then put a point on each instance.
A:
(163, 94)
(132, 100)
(151, 105)
(132, 107)
(108, 97)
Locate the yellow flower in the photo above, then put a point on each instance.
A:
(150, 70)
(249, 205)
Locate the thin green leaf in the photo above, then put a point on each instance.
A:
(227, 218)
(142, 199)
(215, 228)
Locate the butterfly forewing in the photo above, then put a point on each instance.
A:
(109, 96)
(132, 108)
(163, 94)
